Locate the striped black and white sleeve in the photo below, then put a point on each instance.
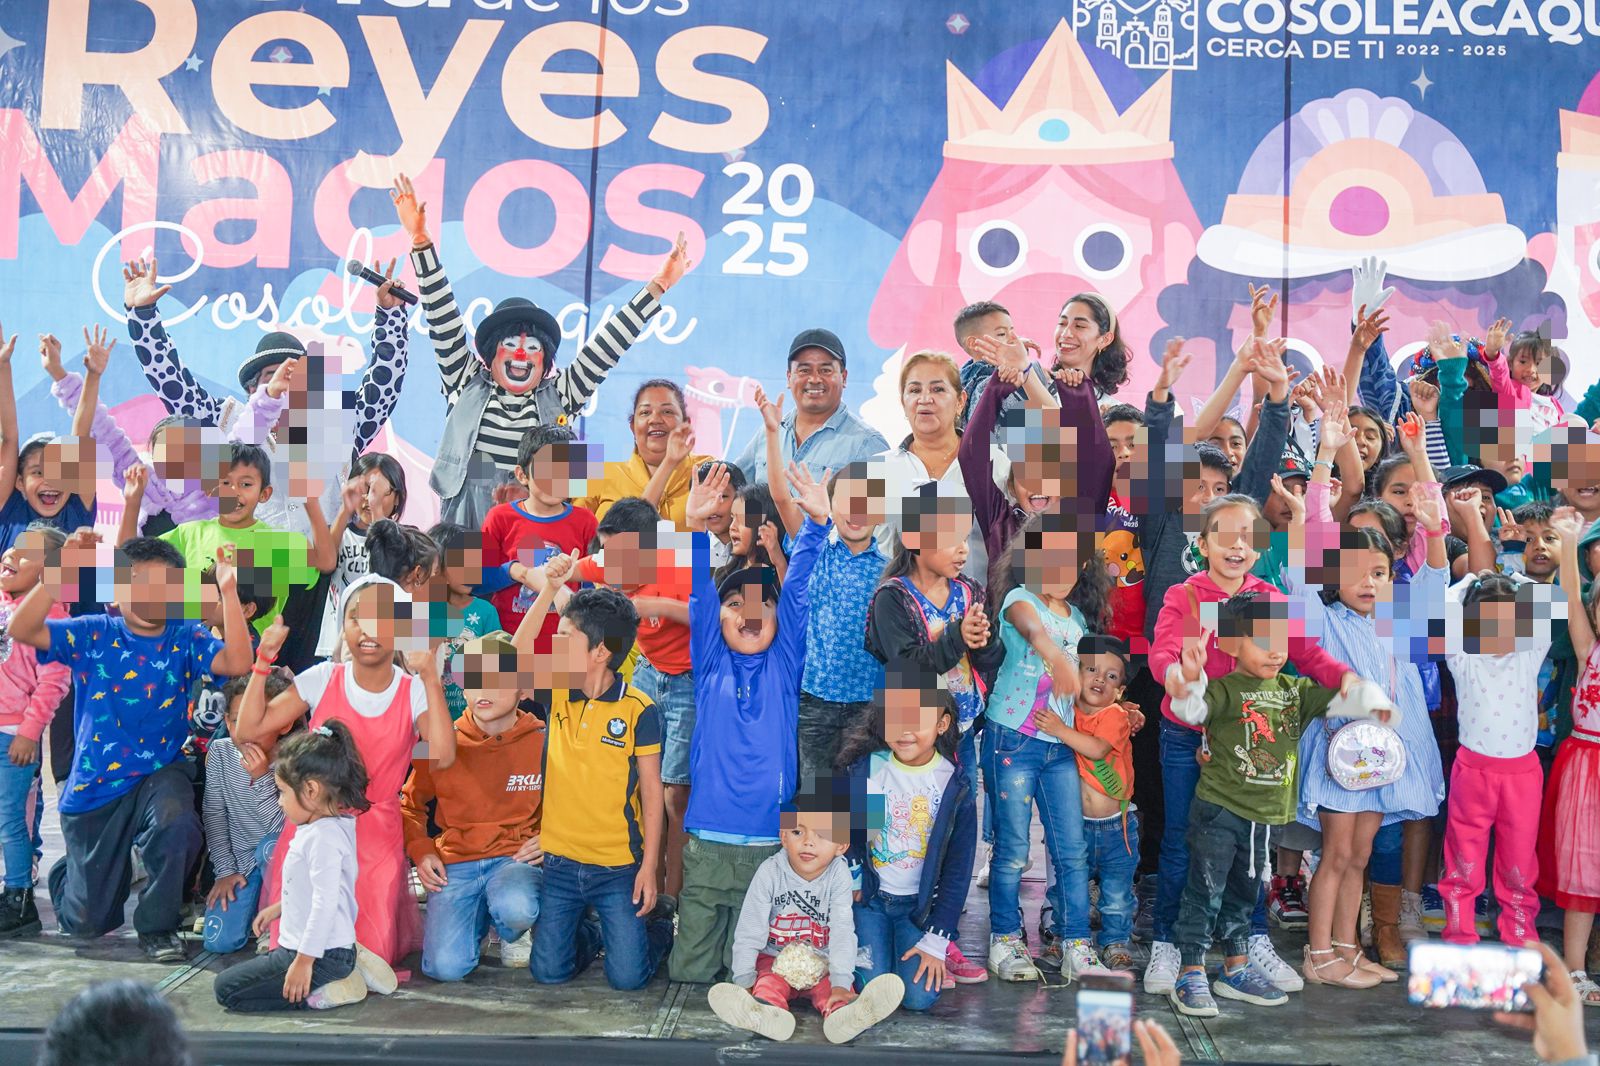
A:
(446, 324)
(583, 376)
(220, 758)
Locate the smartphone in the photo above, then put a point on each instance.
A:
(1473, 976)
(1105, 1019)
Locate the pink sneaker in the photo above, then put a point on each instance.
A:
(961, 969)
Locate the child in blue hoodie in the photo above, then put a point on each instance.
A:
(748, 643)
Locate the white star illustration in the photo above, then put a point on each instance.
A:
(193, 62)
(957, 23)
(324, 90)
(7, 43)
(280, 54)
(1423, 84)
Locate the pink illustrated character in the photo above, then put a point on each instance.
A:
(707, 393)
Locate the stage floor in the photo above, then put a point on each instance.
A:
(1318, 1026)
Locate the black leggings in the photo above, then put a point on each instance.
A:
(256, 985)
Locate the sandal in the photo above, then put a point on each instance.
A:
(1355, 977)
(1584, 985)
(1366, 965)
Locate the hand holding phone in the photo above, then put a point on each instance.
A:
(1472, 976)
(1105, 1019)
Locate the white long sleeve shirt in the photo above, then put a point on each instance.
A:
(319, 887)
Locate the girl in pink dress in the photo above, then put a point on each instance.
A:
(386, 709)
(1569, 830)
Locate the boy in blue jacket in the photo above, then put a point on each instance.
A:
(748, 643)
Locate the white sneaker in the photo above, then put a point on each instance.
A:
(878, 999)
(352, 988)
(377, 974)
(1265, 961)
(1078, 956)
(1161, 973)
(738, 1008)
(1411, 917)
(983, 874)
(514, 954)
(1009, 959)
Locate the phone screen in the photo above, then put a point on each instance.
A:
(1105, 1027)
(1473, 976)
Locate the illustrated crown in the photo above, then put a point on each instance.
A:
(1059, 113)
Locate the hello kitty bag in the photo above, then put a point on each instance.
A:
(1367, 754)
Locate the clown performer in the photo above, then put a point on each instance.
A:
(512, 385)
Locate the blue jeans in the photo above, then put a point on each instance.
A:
(497, 890)
(564, 944)
(1180, 774)
(1113, 860)
(973, 754)
(1028, 770)
(884, 932)
(673, 695)
(16, 834)
(1388, 848)
(227, 931)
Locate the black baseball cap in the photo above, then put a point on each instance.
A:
(1467, 474)
(739, 580)
(825, 339)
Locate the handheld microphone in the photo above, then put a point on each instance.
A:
(372, 277)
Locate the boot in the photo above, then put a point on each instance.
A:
(1386, 926)
(18, 915)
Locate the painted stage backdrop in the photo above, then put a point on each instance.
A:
(865, 166)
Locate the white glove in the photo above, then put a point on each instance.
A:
(1366, 700)
(1367, 288)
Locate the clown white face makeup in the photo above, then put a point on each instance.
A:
(518, 365)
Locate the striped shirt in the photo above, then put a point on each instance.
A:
(508, 416)
(238, 812)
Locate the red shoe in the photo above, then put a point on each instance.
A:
(961, 969)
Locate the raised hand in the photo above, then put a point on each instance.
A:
(1367, 291)
(1262, 310)
(1510, 528)
(423, 662)
(672, 271)
(139, 288)
(809, 493)
(1413, 437)
(50, 356)
(1425, 399)
(134, 481)
(1307, 395)
(8, 345)
(227, 570)
(386, 297)
(1173, 363)
(680, 444)
(704, 492)
(1499, 333)
(767, 537)
(413, 216)
(351, 494)
(1426, 508)
(283, 378)
(1001, 356)
(1568, 524)
(1369, 327)
(98, 354)
(1268, 363)
(1193, 658)
(771, 413)
(272, 640)
(1334, 432)
(558, 569)
(1442, 345)
(1296, 504)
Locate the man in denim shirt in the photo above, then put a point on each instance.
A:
(820, 433)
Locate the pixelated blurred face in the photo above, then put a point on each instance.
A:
(1079, 337)
(912, 721)
(1041, 465)
(492, 684)
(1276, 511)
(1541, 557)
(656, 414)
(1263, 653)
(857, 508)
(463, 562)
(749, 620)
(555, 470)
(940, 540)
(146, 593)
(1101, 677)
(930, 399)
(629, 559)
(1397, 493)
(1203, 485)
(239, 494)
(22, 563)
(1365, 579)
(817, 380)
(370, 626)
(378, 498)
(182, 454)
(1050, 562)
(812, 840)
(1229, 439)
(517, 364)
(1491, 627)
(1233, 542)
(1369, 439)
(995, 325)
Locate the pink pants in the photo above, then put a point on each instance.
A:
(1502, 795)
(770, 988)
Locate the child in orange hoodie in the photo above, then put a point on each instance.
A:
(484, 866)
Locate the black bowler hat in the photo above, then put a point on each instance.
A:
(517, 315)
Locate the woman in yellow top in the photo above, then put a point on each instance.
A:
(661, 467)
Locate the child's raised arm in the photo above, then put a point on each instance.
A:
(1569, 525)
(555, 572)
(8, 420)
(777, 481)
(435, 726)
(258, 719)
(234, 658)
